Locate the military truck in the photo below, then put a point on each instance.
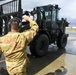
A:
(51, 29)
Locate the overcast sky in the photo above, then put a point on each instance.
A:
(67, 6)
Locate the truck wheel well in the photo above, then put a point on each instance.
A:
(46, 33)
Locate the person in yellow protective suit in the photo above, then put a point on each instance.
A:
(13, 45)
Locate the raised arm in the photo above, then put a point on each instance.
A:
(30, 34)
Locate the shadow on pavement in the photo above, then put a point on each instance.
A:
(58, 72)
(38, 64)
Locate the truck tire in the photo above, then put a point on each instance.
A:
(40, 46)
(62, 41)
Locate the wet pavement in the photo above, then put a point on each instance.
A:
(55, 62)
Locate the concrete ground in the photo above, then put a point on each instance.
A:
(55, 62)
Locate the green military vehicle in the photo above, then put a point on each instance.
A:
(51, 29)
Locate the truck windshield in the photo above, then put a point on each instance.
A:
(48, 14)
(53, 15)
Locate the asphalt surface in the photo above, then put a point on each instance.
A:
(55, 62)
